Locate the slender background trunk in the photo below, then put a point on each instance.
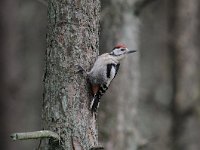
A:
(156, 86)
(22, 49)
(118, 111)
(186, 102)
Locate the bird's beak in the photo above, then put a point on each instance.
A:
(131, 51)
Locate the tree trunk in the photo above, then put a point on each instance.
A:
(186, 125)
(72, 39)
(21, 51)
(154, 112)
(119, 105)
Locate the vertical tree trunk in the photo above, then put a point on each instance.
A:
(119, 105)
(3, 133)
(154, 112)
(72, 39)
(186, 128)
(21, 50)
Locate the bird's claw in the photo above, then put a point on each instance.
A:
(80, 69)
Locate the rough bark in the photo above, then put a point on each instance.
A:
(119, 106)
(72, 39)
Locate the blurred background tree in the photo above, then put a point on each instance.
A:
(155, 99)
(117, 121)
(23, 29)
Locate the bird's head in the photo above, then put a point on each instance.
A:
(120, 51)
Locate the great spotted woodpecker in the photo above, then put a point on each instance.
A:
(104, 71)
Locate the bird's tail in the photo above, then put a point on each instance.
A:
(95, 103)
(96, 99)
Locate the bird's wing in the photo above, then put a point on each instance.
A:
(117, 69)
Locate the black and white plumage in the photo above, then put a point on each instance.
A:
(104, 71)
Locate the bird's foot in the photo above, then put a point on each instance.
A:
(80, 69)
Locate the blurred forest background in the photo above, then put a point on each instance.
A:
(154, 102)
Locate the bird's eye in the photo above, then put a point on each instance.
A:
(122, 49)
